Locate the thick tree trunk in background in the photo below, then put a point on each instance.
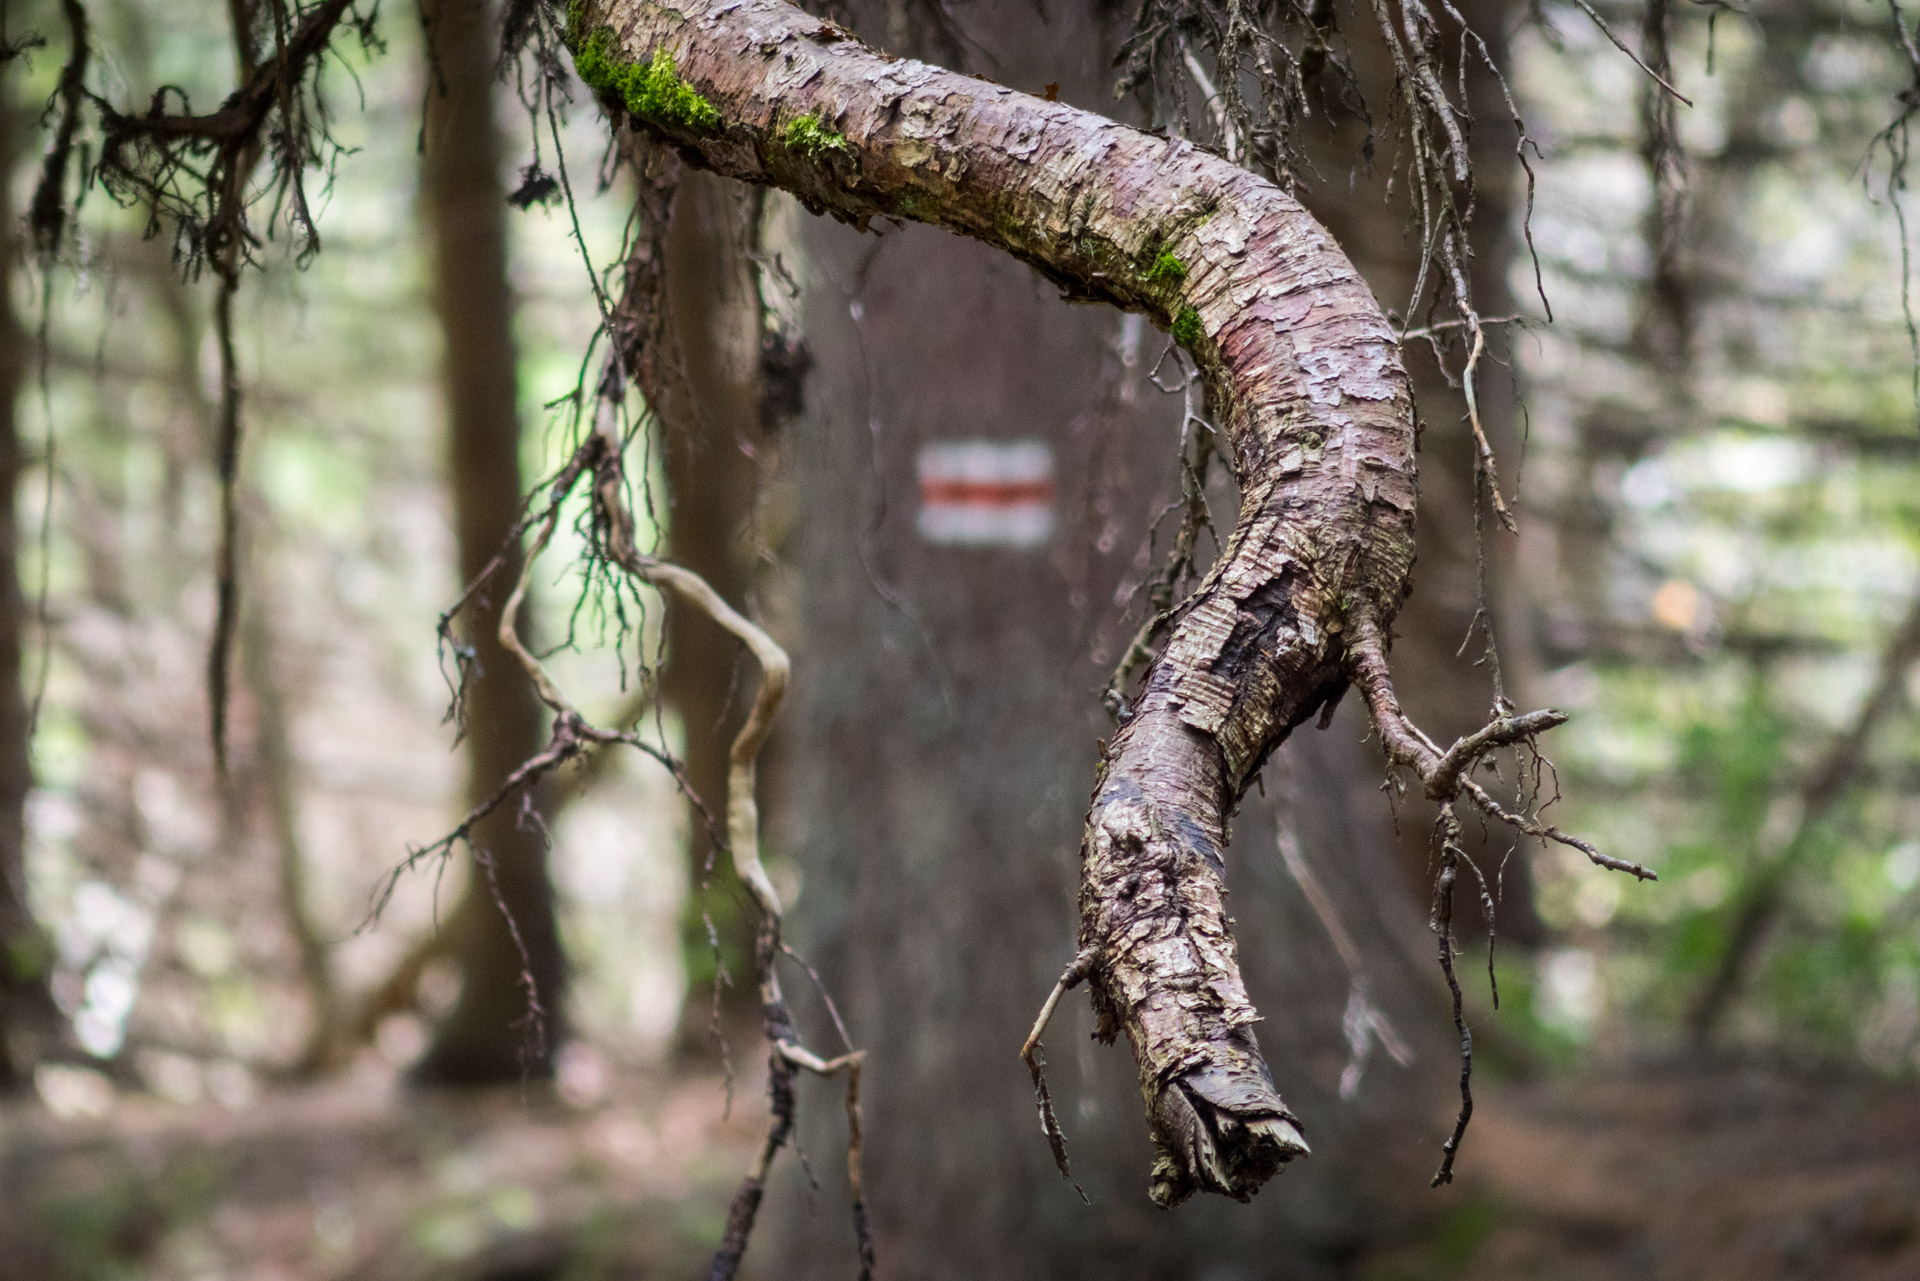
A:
(710, 408)
(941, 748)
(28, 1020)
(486, 1037)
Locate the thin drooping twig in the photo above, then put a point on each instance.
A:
(1180, 568)
(1447, 778)
(1826, 785)
(1621, 45)
(1442, 923)
(226, 574)
(1484, 467)
(1035, 1058)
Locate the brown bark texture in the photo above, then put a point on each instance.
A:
(1304, 379)
(508, 943)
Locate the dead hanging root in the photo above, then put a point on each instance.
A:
(226, 575)
(1441, 922)
(1447, 779)
(599, 462)
(193, 172)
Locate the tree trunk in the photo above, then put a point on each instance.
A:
(29, 1023)
(506, 1020)
(947, 703)
(1304, 381)
(709, 404)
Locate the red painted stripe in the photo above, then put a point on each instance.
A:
(985, 493)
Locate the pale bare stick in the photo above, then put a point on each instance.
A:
(1035, 1058)
(1479, 432)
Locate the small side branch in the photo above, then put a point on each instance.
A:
(1446, 777)
(1034, 1056)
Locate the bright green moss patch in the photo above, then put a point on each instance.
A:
(1166, 270)
(1186, 328)
(814, 140)
(652, 90)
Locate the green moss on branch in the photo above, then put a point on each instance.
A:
(1186, 328)
(1166, 269)
(814, 140)
(651, 90)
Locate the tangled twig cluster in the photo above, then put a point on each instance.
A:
(1446, 777)
(598, 462)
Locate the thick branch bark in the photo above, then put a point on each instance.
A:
(1304, 378)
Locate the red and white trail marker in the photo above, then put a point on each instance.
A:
(986, 493)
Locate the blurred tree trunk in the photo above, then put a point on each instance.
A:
(945, 727)
(711, 413)
(28, 1020)
(276, 771)
(487, 1036)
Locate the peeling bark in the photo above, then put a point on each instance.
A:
(1305, 381)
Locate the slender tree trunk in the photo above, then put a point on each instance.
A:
(509, 960)
(28, 1019)
(710, 407)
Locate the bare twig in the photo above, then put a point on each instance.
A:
(1621, 45)
(1446, 777)
(1035, 1058)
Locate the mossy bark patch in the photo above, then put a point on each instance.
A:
(814, 140)
(651, 89)
(1167, 269)
(1186, 328)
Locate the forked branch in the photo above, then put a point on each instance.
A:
(1303, 377)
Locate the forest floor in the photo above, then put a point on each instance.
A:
(1681, 1173)
(1671, 1172)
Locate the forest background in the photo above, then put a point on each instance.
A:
(1711, 451)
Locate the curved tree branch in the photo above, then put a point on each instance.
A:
(1304, 376)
